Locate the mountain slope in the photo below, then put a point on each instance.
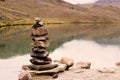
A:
(115, 3)
(55, 11)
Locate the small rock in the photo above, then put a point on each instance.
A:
(83, 65)
(68, 61)
(106, 70)
(25, 75)
(55, 76)
(24, 67)
(118, 64)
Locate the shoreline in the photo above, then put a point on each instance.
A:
(84, 74)
(48, 23)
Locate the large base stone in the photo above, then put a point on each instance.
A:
(41, 67)
(59, 68)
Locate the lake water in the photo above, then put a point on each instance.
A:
(99, 44)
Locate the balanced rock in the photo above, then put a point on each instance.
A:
(41, 67)
(38, 56)
(59, 68)
(83, 65)
(41, 61)
(40, 38)
(44, 44)
(40, 31)
(38, 49)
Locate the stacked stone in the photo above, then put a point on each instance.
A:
(40, 43)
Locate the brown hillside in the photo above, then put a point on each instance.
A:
(55, 11)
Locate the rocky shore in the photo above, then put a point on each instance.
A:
(80, 71)
(75, 73)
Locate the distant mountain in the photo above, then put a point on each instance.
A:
(55, 11)
(115, 3)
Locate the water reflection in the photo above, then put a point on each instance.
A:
(15, 40)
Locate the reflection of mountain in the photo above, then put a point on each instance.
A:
(108, 3)
(55, 10)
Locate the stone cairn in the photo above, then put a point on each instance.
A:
(40, 43)
(41, 63)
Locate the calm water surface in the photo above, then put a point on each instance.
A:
(16, 40)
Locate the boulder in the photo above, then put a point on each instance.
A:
(68, 61)
(83, 65)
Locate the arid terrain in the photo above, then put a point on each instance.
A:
(24, 11)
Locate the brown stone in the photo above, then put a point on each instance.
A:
(42, 67)
(68, 61)
(25, 75)
(38, 49)
(40, 55)
(60, 68)
(118, 64)
(83, 65)
(41, 61)
(40, 31)
(44, 44)
(40, 38)
(2, 0)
